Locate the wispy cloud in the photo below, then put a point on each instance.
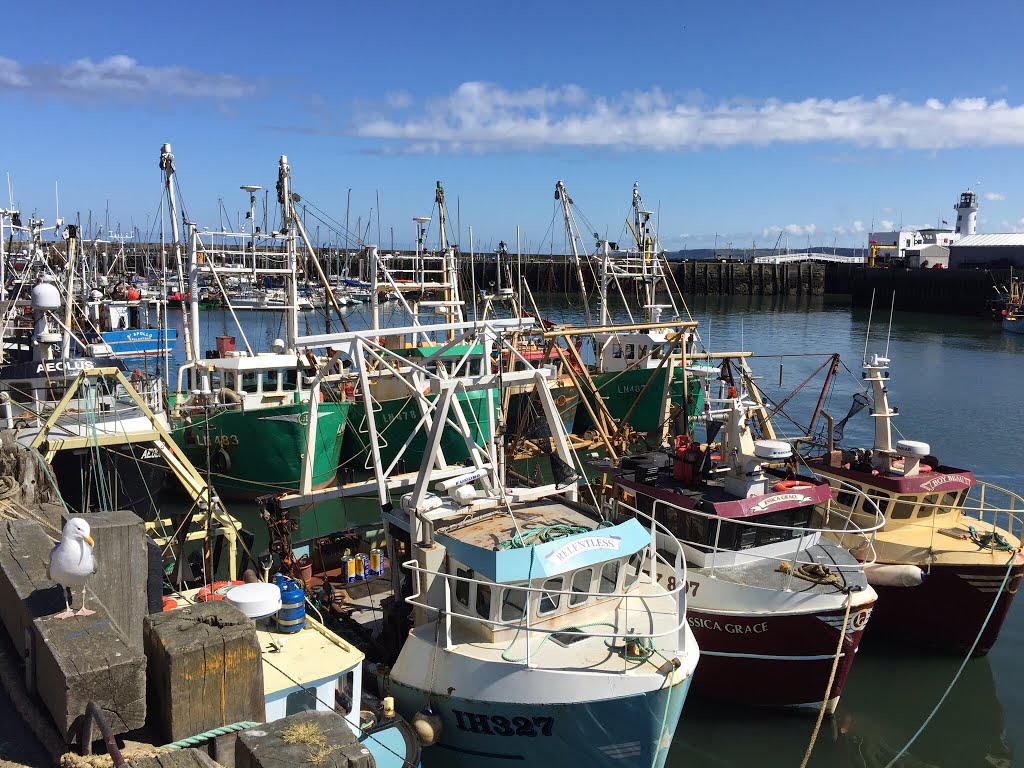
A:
(886, 225)
(795, 230)
(121, 78)
(994, 196)
(485, 117)
(856, 228)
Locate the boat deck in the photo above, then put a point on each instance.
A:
(492, 531)
(766, 574)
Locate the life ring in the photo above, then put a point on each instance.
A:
(216, 591)
(785, 485)
(170, 604)
(560, 401)
(220, 461)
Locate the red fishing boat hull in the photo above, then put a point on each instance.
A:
(775, 660)
(946, 611)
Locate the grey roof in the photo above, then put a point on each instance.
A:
(1006, 239)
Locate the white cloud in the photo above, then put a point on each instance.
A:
(995, 196)
(795, 230)
(481, 117)
(121, 78)
(886, 225)
(854, 229)
(10, 74)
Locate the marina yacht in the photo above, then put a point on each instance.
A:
(948, 560)
(522, 628)
(771, 602)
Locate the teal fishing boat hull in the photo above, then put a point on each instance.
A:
(251, 453)
(638, 393)
(632, 730)
(397, 419)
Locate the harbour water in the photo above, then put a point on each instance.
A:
(956, 382)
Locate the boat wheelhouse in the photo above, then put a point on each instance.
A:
(948, 559)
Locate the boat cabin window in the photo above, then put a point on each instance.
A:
(950, 501)
(631, 352)
(250, 382)
(734, 535)
(215, 380)
(581, 584)
(290, 381)
(617, 351)
(928, 505)
(270, 381)
(483, 601)
(549, 602)
(903, 508)
(462, 587)
(847, 496)
(513, 602)
(882, 500)
(642, 353)
(609, 577)
(633, 568)
(230, 381)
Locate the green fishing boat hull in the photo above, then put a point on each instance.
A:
(693, 404)
(397, 419)
(261, 451)
(638, 393)
(523, 405)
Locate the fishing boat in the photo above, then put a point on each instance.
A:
(243, 415)
(635, 382)
(948, 559)
(46, 398)
(526, 629)
(778, 610)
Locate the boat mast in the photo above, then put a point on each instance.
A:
(284, 197)
(191, 333)
(561, 194)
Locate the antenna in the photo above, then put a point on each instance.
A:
(867, 335)
(889, 334)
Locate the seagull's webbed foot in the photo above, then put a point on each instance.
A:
(65, 614)
(83, 611)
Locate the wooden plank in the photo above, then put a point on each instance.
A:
(83, 659)
(122, 574)
(25, 591)
(205, 669)
(264, 747)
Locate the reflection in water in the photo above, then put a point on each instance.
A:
(885, 701)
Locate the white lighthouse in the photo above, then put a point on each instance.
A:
(967, 214)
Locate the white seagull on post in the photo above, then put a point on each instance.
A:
(72, 563)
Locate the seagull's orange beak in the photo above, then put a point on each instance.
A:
(88, 540)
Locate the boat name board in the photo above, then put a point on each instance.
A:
(584, 544)
(780, 498)
(941, 480)
(499, 725)
(65, 366)
(696, 622)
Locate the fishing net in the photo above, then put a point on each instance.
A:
(860, 402)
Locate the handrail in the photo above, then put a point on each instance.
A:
(794, 559)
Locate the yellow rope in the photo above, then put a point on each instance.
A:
(831, 679)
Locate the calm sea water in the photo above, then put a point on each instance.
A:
(956, 382)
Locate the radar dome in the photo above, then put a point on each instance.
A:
(45, 296)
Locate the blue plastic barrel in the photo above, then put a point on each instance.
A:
(292, 616)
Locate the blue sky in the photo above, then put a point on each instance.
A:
(740, 120)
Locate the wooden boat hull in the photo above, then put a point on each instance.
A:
(946, 611)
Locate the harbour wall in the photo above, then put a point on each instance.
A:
(944, 291)
(698, 278)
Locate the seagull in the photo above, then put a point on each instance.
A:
(71, 563)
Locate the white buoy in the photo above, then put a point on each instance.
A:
(882, 575)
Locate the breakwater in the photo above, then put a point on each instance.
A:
(697, 278)
(946, 291)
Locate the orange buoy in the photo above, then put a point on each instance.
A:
(785, 485)
(170, 604)
(216, 591)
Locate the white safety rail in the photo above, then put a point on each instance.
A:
(799, 258)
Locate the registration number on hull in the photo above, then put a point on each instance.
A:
(499, 725)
